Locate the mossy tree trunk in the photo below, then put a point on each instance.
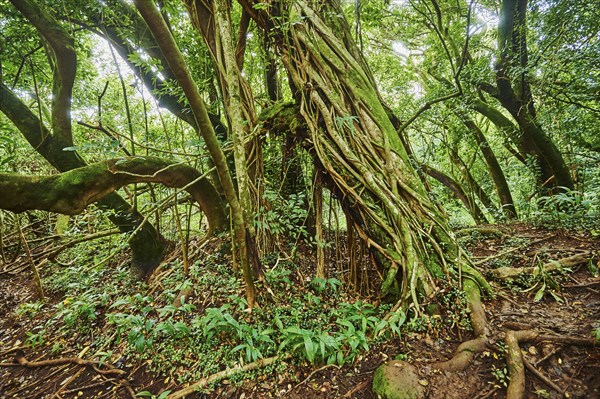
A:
(457, 191)
(493, 166)
(72, 191)
(360, 152)
(514, 93)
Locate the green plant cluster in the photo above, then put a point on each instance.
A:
(569, 209)
(208, 329)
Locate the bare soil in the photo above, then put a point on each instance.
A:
(571, 310)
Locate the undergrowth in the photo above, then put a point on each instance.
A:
(208, 328)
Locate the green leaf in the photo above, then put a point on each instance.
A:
(310, 349)
(540, 293)
(164, 394)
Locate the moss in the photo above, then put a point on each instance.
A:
(397, 380)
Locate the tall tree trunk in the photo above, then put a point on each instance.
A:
(514, 93)
(493, 166)
(169, 48)
(457, 191)
(362, 158)
(475, 188)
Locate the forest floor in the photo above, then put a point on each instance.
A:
(561, 303)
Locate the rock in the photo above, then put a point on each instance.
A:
(398, 380)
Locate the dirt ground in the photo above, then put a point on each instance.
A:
(557, 370)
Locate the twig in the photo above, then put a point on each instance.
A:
(548, 356)
(83, 388)
(500, 254)
(357, 388)
(311, 374)
(583, 285)
(36, 275)
(66, 384)
(7, 351)
(490, 393)
(21, 361)
(541, 377)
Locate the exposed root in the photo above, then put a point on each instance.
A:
(514, 358)
(20, 360)
(463, 355)
(467, 350)
(516, 369)
(574, 260)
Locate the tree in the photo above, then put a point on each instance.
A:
(71, 192)
(359, 151)
(146, 244)
(169, 48)
(513, 90)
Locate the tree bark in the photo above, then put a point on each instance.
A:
(506, 201)
(146, 244)
(457, 191)
(514, 93)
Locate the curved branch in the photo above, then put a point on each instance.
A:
(71, 192)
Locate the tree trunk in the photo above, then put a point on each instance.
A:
(457, 191)
(147, 246)
(360, 153)
(493, 166)
(169, 48)
(514, 93)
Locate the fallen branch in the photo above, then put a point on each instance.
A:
(224, 374)
(20, 360)
(480, 230)
(510, 272)
(501, 254)
(313, 373)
